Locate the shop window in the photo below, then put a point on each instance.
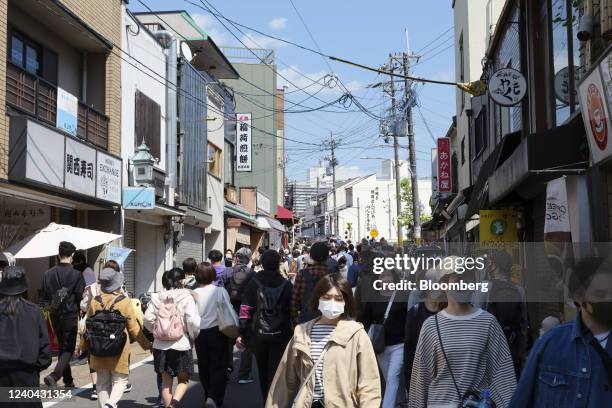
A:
(25, 53)
(147, 123)
(214, 160)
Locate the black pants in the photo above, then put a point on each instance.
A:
(246, 364)
(268, 356)
(65, 328)
(211, 349)
(20, 378)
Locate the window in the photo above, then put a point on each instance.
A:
(462, 69)
(228, 153)
(147, 123)
(480, 132)
(25, 53)
(463, 151)
(214, 160)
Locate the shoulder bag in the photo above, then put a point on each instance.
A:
(310, 374)
(376, 331)
(226, 316)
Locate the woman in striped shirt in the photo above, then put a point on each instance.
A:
(329, 361)
(461, 349)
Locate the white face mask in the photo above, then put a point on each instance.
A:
(331, 309)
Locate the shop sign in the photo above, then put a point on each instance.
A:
(138, 198)
(434, 173)
(562, 84)
(108, 185)
(80, 168)
(507, 87)
(596, 116)
(557, 210)
(498, 226)
(444, 166)
(67, 111)
(243, 155)
(118, 254)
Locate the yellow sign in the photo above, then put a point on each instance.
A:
(498, 226)
(374, 233)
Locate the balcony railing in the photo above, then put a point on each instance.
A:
(38, 98)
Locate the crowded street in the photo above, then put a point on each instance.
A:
(305, 204)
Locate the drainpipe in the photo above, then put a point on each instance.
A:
(84, 78)
(169, 42)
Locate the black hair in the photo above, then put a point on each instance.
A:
(79, 257)
(172, 279)
(319, 252)
(215, 256)
(66, 249)
(189, 266)
(10, 303)
(270, 260)
(583, 272)
(111, 263)
(351, 247)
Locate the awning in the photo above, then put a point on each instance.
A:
(267, 223)
(154, 216)
(196, 217)
(283, 214)
(238, 211)
(539, 158)
(479, 196)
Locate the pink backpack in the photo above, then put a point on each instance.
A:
(169, 324)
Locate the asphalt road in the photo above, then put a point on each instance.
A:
(144, 391)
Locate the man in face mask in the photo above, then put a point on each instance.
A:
(573, 362)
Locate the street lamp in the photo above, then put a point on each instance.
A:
(143, 162)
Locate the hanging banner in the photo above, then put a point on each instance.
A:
(108, 183)
(498, 226)
(119, 254)
(434, 173)
(67, 111)
(556, 222)
(445, 184)
(244, 143)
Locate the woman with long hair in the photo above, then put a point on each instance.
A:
(329, 361)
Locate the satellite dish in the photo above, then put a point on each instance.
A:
(186, 51)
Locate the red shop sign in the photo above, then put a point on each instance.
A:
(445, 184)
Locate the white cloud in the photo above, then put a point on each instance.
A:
(252, 40)
(347, 172)
(212, 27)
(294, 77)
(279, 23)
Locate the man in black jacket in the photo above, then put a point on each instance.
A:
(63, 286)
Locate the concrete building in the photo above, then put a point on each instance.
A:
(60, 118)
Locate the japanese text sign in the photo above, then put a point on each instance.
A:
(444, 166)
(244, 143)
(507, 87)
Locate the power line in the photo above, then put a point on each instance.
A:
(434, 40)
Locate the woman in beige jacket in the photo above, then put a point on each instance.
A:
(346, 374)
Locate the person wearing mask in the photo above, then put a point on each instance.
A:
(235, 280)
(62, 287)
(24, 340)
(304, 259)
(189, 268)
(216, 259)
(256, 262)
(112, 371)
(211, 344)
(265, 324)
(388, 308)
(329, 362)
(305, 282)
(571, 365)
(506, 301)
(429, 304)
(172, 355)
(229, 258)
(461, 350)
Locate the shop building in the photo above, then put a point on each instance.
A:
(60, 123)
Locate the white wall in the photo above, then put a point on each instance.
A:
(476, 20)
(144, 48)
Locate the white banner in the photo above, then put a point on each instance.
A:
(557, 210)
(108, 186)
(244, 143)
(67, 111)
(118, 254)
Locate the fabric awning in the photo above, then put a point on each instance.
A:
(267, 223)
(237, 211)
(283, 214)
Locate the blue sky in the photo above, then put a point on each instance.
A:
(361, 31)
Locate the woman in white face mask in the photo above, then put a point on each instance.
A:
(329, 361)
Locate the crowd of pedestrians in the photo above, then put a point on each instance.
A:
(319, 334)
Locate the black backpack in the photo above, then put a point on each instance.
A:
(506, 305)
(237, 282)
(270, 315)
(60, 298)
(305, 313)
(105, 330)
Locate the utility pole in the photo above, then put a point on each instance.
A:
(332, 145)
(416, 208)
(398, 197)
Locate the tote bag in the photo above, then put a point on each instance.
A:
(226, 316)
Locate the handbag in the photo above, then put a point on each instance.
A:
(376, 331)
(310, 374)
(226, 316)
(470, 398)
